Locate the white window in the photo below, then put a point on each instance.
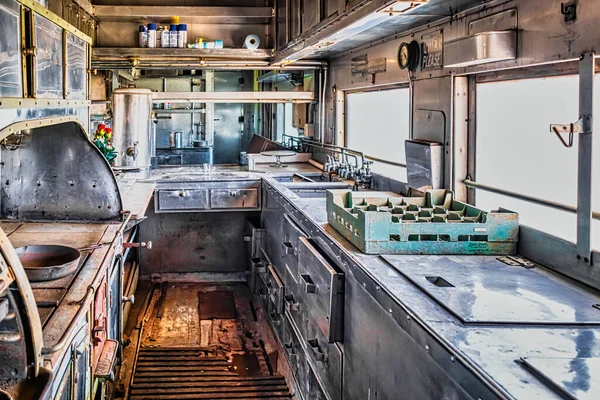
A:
(377, 123)
(516, 151)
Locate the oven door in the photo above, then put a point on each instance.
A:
(73, 377)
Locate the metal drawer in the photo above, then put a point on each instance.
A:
(291, 237)
(326, 360)
(320, 290)
(233, 198)
(296, 355)
(181, 199)
(254, 237)
(275, 290)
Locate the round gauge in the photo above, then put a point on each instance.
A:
(403, 55)
(408, 55)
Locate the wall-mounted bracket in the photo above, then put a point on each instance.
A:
(582, 126)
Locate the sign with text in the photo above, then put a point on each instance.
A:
(432, 50)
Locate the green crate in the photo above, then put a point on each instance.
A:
(385, 223)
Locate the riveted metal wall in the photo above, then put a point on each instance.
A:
(543, 37)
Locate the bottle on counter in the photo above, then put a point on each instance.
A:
(173, 35)
(165, 37)
(143, 36)
(151, 35)
(182, 36)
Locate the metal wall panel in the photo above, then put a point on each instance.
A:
(193, 242)
(11, 84)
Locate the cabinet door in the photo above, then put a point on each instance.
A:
(311, 14)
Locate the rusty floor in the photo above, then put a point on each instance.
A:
(200, 341)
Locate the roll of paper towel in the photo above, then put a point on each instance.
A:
(252, 42)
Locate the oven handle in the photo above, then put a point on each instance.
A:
(64, 339)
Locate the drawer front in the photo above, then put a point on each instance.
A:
(326, 360)
(182, 199)
(276, 291)
(296, 355)
(233, 198)
(320, 290)
(291, 237)
(254, 236)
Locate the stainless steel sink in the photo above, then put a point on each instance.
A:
(202, 176)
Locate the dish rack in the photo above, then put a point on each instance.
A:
(385, 223)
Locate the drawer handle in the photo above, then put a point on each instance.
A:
(307, 282)
(291, 304)
(288, 248)
(234, 193)
(183, 193)
(313, 345)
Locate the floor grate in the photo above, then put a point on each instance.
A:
(190, 373)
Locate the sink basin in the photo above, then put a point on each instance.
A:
(202, 176)
(307, 177)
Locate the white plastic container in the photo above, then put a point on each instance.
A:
(165, 37)
(182, 36)
(173, 35)
(143, 36)
(151, 35)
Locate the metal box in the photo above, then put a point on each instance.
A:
(378, 223)
(481, 48)
(424, 164)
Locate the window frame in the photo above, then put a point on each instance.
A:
(342, 120)
(558, 254)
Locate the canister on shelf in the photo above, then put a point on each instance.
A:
(173, 35)
(182, 36)
(151, 35)
(165, 37)
(143, 36)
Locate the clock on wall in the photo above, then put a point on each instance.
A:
(408, 55)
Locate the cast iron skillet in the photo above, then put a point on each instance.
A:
(48, 262)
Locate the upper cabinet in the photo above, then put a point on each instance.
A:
(42, 56)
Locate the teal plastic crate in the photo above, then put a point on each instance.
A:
(385, 223)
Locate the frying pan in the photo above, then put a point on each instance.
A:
(48, 262)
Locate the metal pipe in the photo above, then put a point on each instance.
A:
(322, 112)
(530, 199)
(380, 160)
(66, 336)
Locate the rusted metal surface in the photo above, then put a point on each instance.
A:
(106, 363)
(203, 358)
(74, 235)
(216, 305)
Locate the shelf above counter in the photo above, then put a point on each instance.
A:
(141, 57)
(197, 14)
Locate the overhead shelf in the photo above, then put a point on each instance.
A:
(144, 53)
(233, 97)
(199, 14)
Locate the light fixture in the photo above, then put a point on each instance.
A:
(400, 7)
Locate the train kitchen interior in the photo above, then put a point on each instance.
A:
(299, 199)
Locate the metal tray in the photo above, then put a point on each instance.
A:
(483, 290)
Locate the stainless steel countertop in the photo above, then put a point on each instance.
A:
(494, 350)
